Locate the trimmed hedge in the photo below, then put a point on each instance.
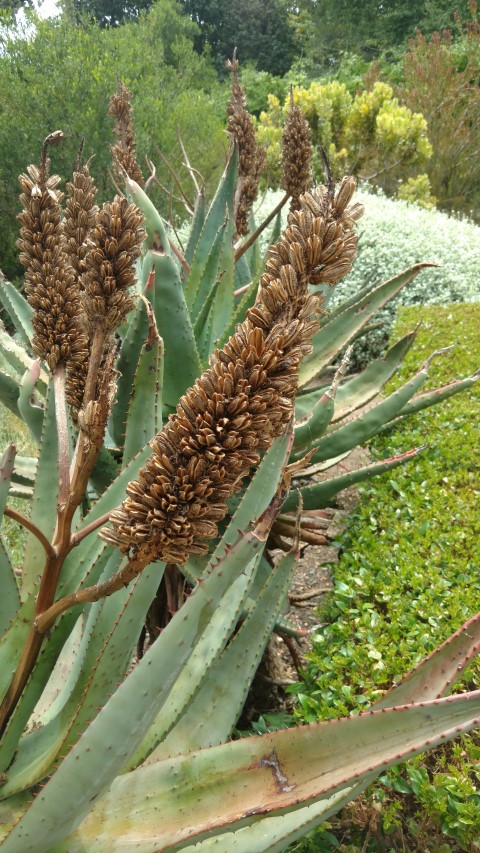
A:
(408, 576)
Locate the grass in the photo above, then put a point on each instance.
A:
(407, 578)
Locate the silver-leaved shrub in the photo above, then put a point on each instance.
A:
(393, 235)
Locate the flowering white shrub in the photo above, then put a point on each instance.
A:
(394, 235)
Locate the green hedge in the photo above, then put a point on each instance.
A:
(408, 576)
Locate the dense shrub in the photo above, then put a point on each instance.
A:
(407, 577)
(394, 235)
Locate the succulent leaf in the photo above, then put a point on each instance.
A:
(19, 311)
(144, 417)
(340, 330)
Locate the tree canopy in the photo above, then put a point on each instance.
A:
(261, 30)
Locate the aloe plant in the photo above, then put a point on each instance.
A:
(100, 755)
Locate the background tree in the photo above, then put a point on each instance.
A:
(261, 30)
(63, 76)
(110, 13)
(370, 27)
(442, 79)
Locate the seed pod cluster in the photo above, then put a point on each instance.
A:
(115, 244)
(251, 158)
(243, 400)
(296, 155)
(80, 215)
(50, 283)
(124, 151)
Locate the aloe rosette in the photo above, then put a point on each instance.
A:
(100, 755)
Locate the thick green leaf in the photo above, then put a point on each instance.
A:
(104, 656)
(309, 431)
(198, 222)
(30, 408)
(17, 357)
(104, 471)
(25, 470)
(432, 397)
(221, 206)
(207, 650)
(157, 237)
(321, 494)
(119, 728)
(181, 361)
(10, 597)
(338, 332)
(144, 418)
(213, 266)
(365, 426)
(44, 504)
(361, 389)
(9, 393)
(19, 311)
(272, 774)
(216, 315)
(128, 356)
(216, 707)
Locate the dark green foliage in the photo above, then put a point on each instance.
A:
(259, 29)
(63, 76)
(369, 27)
(407, 577)
(110, 13)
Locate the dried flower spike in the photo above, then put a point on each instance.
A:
(124, 151)
(51, 285)
(245, 398)
(115, 244)
(296, 155)
(251, 158)
(80, 215)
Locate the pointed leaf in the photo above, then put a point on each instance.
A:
(271, 774)
(339, 331)
(119, 728)
(9, 393)
(44, 504)
(30, 410)
(18, 359)
(222, 201)
(216, 707)
(320, 495)
(157, 237)
(181, 362)
(9, 598)
(145, 410)
(364, 427)
(18, 309)
(128, 356)
(198, 222)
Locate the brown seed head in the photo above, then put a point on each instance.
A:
(296, 155)
(115, 245)
(124, 151)
(251, 158)
(80, 215)
(238, 406)
(51, 287)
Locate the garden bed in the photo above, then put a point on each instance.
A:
(407, 577)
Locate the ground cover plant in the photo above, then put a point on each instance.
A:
(159, 382)
(407, 577)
